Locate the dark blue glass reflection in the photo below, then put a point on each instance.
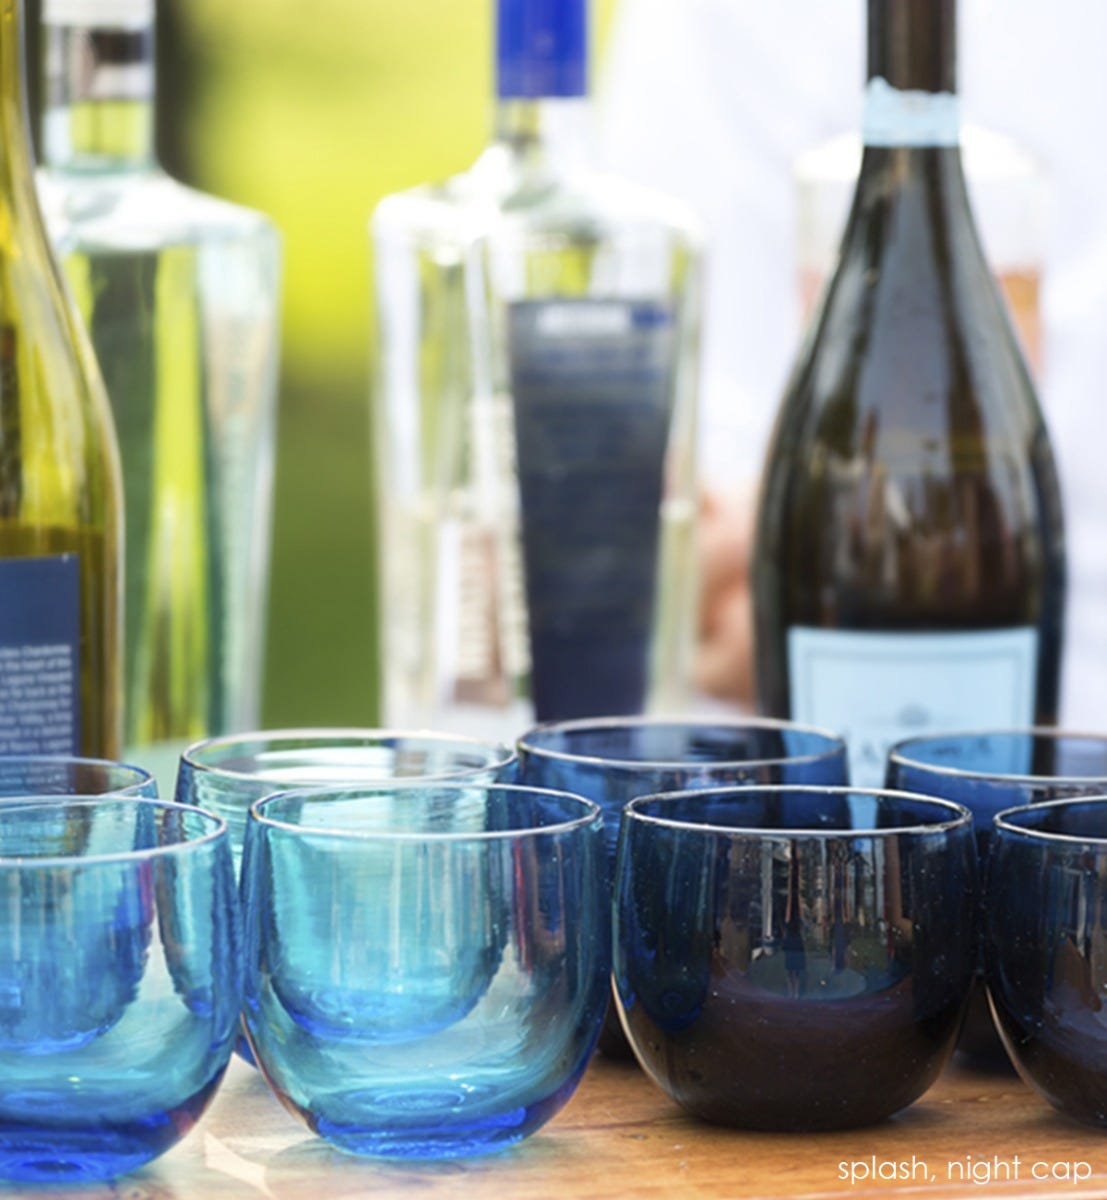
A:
(613, 760)
(794, 958)
(987, 772)
(1046, 950)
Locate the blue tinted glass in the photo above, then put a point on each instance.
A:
(427, 967)
(119, 982)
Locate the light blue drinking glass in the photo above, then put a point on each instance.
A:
(64, 775)
(611, 760)
(120, 974)
(226, 775)
(426, 966)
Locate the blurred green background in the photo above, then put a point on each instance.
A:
(311, 113)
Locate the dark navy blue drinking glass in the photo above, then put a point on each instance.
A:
(794, 958)
(612, 760)
(426, 966)
(1046, 949)
(119, 981)
(65, 775)
(989, 771)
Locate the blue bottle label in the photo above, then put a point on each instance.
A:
(40, 699)
(877, 688)
(591, 382)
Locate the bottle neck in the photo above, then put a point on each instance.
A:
(541, 116)
(913, 44)
(911, 97)
(548, 132)
(16, 160)
(911, 172)
(99, 98)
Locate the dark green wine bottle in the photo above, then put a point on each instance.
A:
(909, 566)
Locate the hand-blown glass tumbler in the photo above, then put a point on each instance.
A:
(612, 760)
(988, 771)
(794, 958)
(426, 967)
(64, 775)
(1046, 950)
(119, 981)
(226, 775)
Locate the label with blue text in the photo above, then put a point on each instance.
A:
(877, 688)
(40, 699)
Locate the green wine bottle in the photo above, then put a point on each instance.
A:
(909, 567)
(60, 522)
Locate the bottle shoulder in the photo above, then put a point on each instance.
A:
(912, 340)
(142, 210)
(499, 194)
(53, 390)
(428, 213)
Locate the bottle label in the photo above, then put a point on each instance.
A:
(40, 697)
(592, 384)
(877, 688)
(909, 118)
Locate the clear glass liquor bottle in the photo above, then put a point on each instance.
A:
(180, 293)
(535, 418)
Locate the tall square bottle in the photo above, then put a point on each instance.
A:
(535, 416)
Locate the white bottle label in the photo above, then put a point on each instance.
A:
(909, 118)
(876, 688)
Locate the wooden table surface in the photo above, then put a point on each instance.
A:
(971, 1135)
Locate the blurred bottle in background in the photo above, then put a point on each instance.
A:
(180, 292)
(909, 568)
(539, 328)
(1009, 193)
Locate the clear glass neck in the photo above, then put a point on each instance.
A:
(549, 133)
(99, 98)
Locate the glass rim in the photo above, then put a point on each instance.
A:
(835, 747)
(960, 816)
(1001, 822)
(505, 753)
(895, 755)
(24, 863)
(592, 814)
(78, 760)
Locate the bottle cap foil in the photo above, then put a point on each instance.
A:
(541, 48)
